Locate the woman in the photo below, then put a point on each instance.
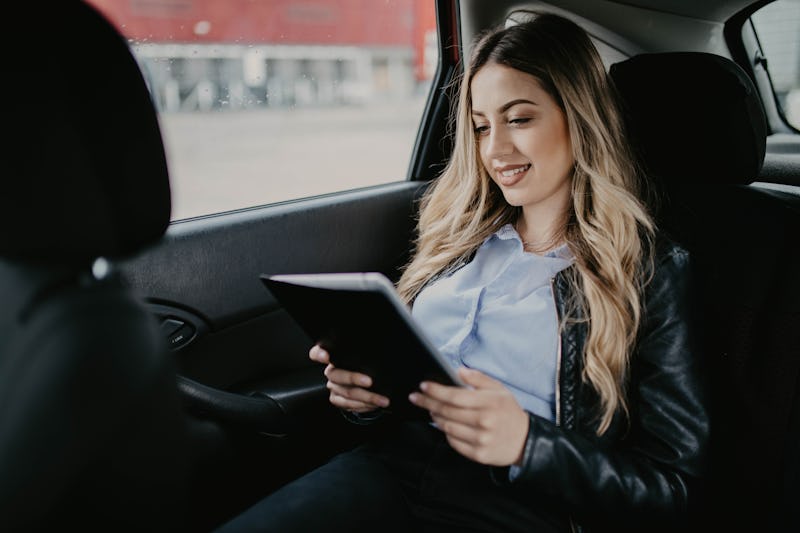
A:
(538, 272)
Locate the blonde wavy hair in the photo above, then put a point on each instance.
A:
(607, 226)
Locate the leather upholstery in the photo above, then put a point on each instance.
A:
(701, 130)
(696, 117)
(76, 181)
(91, 426)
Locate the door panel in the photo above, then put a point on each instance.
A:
(210, 265)
(206, 272)
(258, 407)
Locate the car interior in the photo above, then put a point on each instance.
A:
(90, 417)
(149, 381)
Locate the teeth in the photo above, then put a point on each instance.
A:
(509, 173)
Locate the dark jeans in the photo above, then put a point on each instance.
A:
(410, 480)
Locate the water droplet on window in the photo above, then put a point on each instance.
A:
(202, 27)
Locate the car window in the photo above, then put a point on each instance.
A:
(777, 26)
(261, 102)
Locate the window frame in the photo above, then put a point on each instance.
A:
(434, 144)
(745, 48)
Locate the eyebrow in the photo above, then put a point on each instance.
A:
(508, 105)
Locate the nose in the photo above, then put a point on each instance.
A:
(497, 143)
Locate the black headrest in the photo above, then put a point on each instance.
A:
(694, 116)
(85, 172)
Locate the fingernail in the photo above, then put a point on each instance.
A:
(383, 402)
(364, 381)
(413, 397)
(423, 386)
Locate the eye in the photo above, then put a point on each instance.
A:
(519, 121)
(481, 130)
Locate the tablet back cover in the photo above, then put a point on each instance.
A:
(363, 330)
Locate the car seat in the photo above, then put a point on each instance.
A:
(697, 122)
(91, 424)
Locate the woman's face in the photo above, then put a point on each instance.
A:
(523, 138)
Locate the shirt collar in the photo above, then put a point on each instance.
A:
(508, 232)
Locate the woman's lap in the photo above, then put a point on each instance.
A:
(409, 480)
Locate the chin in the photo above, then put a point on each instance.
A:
(515, 200)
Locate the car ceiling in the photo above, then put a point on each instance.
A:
(713, 10)
(642, 25)
(710, 10)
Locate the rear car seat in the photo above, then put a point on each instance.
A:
(696, 121)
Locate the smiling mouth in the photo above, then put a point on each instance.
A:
(515, 171)
(512, 176)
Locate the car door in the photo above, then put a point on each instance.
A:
(280, 123)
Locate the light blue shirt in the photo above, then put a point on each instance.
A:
(497, 314)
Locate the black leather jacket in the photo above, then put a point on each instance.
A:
(642, 473)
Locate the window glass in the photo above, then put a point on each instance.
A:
(778, 28)
(268, 100)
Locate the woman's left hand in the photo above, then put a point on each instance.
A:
(484, 423)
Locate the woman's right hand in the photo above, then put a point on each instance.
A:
(348, 390)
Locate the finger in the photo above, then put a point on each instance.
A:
(345, 377)
(359, 394)
(459, 396)
(478, 453)
(478, 379)
(318, 354)
(350, 405)
(445, 410)
(464, 448)
(425, 402)
(463, 432)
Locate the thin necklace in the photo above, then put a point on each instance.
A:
(539, 246)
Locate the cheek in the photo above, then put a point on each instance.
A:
(569, 158)
(558, 149)
(480, 146)
(566, 144)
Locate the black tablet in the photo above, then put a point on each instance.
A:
(364, 325)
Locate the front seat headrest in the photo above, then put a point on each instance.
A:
(694, 117)
(85, 173)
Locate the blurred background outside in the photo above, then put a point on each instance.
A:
(268, 100)
(778, 28)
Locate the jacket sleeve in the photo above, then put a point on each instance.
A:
(645, 477)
